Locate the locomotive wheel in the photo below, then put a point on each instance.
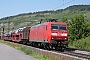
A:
(40, 45)
(45, 45)
(36, 44)
(50, 46)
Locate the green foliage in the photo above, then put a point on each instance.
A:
(78, 28)
(78, 8)
(82, 43)
(64, 19)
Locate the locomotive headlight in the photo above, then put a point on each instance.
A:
(63, 34)
(54, 34)
(52, 38)
(65, 38)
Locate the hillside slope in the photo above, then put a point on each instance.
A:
(30, 19)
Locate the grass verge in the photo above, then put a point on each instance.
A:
(27, 51)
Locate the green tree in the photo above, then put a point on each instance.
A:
(78, 28)
(64, 19)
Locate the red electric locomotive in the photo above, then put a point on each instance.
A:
(50, 34)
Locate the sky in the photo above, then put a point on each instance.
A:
(15, 7)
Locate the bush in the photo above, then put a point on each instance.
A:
(78, 28)
(82, 43)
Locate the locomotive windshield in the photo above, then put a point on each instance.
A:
(54, 26)
(62, 27)
(58, 27)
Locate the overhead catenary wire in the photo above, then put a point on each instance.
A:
(64, 4)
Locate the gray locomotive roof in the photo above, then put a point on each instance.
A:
(38, 25)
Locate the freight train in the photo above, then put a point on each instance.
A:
(48, 35)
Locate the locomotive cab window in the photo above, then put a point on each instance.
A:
(54, 26)
(62, 27)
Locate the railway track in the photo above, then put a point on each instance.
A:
(69, 52)
(79, 55)
(78, 52)
(81, 51)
